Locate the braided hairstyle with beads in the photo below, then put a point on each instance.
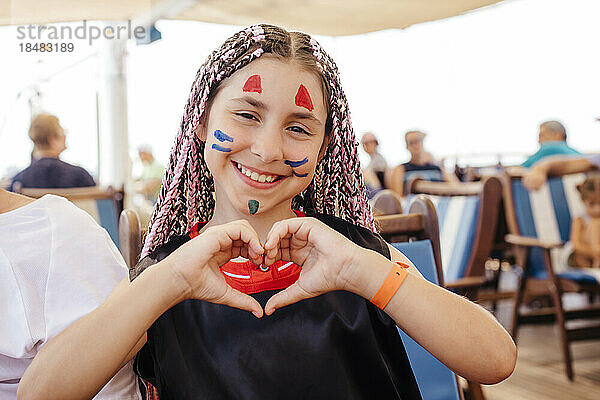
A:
(186, 194)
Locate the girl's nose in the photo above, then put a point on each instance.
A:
(267, 144)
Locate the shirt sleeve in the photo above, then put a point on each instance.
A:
(85, 267)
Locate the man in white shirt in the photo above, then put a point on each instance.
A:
(56, 265)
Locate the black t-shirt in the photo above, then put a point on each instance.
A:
(52, 173)
(335, 346)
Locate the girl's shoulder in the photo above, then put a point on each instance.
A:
(356, 233)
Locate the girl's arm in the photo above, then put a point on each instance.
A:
(458, 332)
(85, 356)
(461, 334)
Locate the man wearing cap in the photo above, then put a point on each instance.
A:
(375, 171)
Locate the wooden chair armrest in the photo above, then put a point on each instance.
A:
(526, 241)
(466, 282)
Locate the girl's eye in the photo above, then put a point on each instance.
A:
(298, 129)
(246, 116)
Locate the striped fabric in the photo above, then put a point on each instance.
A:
(546, 214)
(104, 213)
(435, 380)
(457, 218)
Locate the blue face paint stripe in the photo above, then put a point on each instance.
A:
(299, 175)
(219, 148)
(295, 164)
(222, 137)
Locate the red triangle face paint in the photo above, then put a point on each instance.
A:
(253, 84)
(303, 98)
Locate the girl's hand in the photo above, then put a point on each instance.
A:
(325, 255)
(197, 264)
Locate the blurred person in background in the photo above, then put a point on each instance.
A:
(421, 165)
(374, 172)
(46, 169)
(536, 176)
(149, 181)
(552, 138)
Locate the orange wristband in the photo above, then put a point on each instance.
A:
(390, 285)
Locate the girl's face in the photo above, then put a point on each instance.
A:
(592, 206)
(264, 133)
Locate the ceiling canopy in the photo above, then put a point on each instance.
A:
(326, 17)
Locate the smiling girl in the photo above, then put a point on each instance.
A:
(263, 207)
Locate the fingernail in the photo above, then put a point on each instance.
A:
(255, 314)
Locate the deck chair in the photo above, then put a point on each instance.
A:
(468, 217)
(386, 202)
(416, 235)
(539, 223)
(103, 204)
(130, 236)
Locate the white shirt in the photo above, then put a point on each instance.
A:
(56, 265)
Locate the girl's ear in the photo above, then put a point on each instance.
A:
(323, 148)
(201, 128)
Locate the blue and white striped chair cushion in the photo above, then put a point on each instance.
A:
(435, 380)
(457, 218)
(104, 213)
(547, 214)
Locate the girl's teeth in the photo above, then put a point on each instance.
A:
(254, 175)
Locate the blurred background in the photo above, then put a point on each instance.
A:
(479, 84)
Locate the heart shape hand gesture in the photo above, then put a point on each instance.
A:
(326, 258)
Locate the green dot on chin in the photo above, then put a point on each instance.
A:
(252, 206)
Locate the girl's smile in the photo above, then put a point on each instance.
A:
(257, 178)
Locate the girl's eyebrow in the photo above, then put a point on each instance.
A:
(303, 115)
(252, 101)
(262, 106)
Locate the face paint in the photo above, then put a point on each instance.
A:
(219, 148)
(252, 206)
(295, 164)
(253, 84)
(303, 98)
(222, 137)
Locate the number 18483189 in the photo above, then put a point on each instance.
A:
(49, 47)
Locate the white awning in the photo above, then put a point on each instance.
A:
(326, 17)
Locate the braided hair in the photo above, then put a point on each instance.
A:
(187, 191)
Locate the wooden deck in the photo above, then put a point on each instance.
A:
(540, 374)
